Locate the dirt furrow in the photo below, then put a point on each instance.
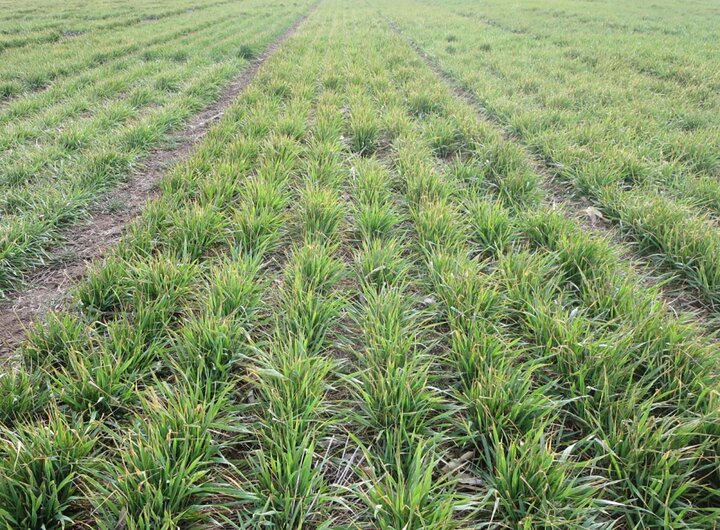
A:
(48, 288)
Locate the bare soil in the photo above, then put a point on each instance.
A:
(48, 288)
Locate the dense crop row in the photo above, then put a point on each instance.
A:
(351, 308)
(618, 104)
(114, 96)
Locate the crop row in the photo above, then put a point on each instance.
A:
(38, 31)
(643, 149)
(59, 158)
(350, 308)
(33, 68)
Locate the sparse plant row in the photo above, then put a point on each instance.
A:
(401, 417)
(391, 414)
(290, 462)
(687, 247)
(394, 415)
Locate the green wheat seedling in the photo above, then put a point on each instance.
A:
(23, 395)
(42, 472)
(379, 293)
(596, 149)
(162, 477)
(90, 147)
(412, 498)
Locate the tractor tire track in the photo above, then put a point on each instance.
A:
(48, 288)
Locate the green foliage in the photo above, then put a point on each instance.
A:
(354, 305)
(42, 471)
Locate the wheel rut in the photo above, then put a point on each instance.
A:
(48, 288)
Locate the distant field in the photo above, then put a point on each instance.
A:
(440, 265)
